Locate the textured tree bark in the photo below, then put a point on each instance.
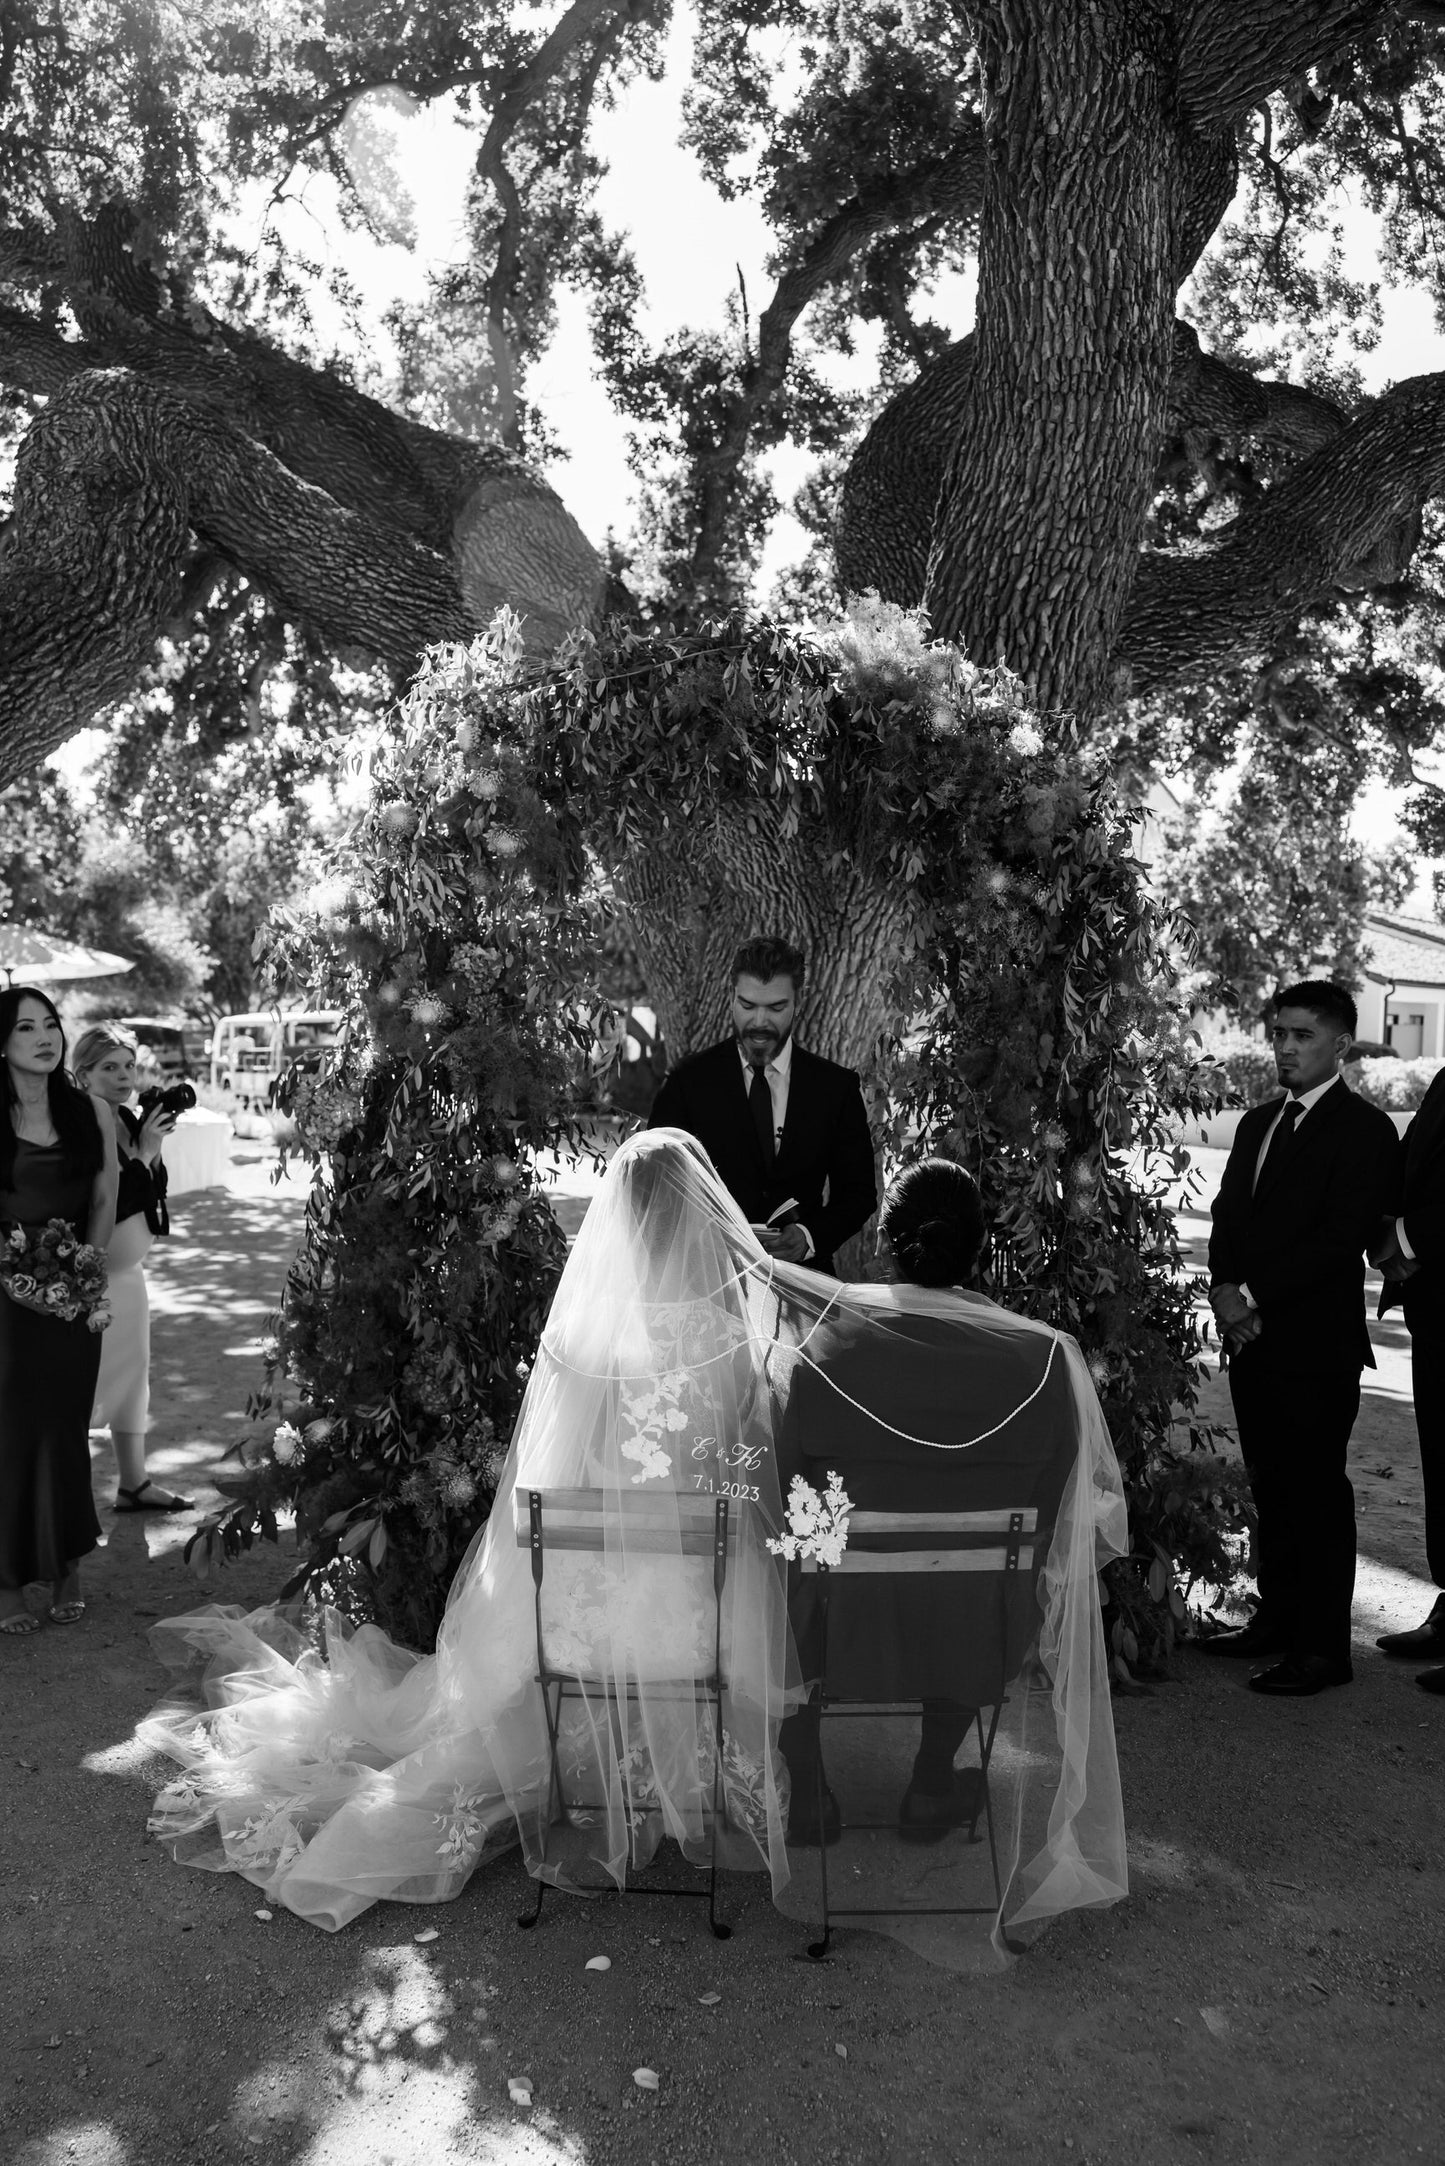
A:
(119, 478)
(696, 897)
(889, 504)
(1044, 502)
(1349, 516)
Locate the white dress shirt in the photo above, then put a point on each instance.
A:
(1306, 1101)
(779, 1074)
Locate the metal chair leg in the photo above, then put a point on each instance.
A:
(817, 1949)
(719, 1796)
(719, 1930)
(528, 1922)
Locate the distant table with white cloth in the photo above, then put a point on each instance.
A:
(198, 1150)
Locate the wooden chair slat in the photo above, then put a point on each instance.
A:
(993, 1559)
(579, 1519)
(638, 1503)
(993, 1522)
(639, 1540)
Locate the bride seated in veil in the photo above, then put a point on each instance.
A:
(333, 1779)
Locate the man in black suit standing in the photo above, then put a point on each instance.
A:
(1411, 1254)
(781, 1125)
(1307, 1183)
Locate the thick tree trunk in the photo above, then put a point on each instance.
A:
(692, 902)
(889, 504)
(1045, 501)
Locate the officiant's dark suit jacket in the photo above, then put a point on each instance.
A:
(1298, 1240)
(825, 1157)
(1422, 1204)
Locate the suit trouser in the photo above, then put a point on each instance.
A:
(1425, 1316)
(944, 1727)
(1294, 1431)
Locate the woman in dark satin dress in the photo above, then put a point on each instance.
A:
(57, 1160)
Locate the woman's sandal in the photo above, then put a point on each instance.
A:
(135, 1500)
(20, 1626)
(66, 1612)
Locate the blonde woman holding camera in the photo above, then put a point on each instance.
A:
(104, 1064)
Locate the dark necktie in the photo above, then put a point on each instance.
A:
(1288, 1121)
(760, 1098)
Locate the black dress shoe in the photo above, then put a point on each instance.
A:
(1300, 1675)
(1244, 1643)
(1432, 1680)
(1426, 1639)
(803, 1830)
(926, 1817)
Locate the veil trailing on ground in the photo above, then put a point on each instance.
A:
(338, 1775)
(675, 1365)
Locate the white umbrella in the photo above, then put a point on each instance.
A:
(36, 958)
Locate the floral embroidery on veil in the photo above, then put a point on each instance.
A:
(647, 1414)
(465, 1827)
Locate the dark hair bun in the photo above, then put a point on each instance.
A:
(932, 1219)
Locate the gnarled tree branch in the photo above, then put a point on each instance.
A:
(111, 483)
(886, 516)
(1347, 517)
(579, 23)
(118, 475)
(1232, 53)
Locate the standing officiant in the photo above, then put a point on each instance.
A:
(785, 1129)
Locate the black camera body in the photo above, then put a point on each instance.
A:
(173, 1099)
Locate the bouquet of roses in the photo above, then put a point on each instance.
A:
(47, 1269)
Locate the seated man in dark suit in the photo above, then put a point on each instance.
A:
(786, 1129)
(924, 1397)
(1410, 1251)
(1308, 1180)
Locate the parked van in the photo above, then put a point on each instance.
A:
(166, 1050)
(249, 1052)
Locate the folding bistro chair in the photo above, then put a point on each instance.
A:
(999, 1546)
(577, 1519)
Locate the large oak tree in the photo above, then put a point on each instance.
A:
(1148, 466)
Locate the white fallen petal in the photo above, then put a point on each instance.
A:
(1215, 2022)
(708, 2000)
(842, 2052)
(265, 1916)
(646, 2079)
(519, 2090)
(598, 1962)
(428, 1932)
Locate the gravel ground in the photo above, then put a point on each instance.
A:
(1271, 1991)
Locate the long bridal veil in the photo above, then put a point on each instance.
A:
(335, 1775)
(338, 1773)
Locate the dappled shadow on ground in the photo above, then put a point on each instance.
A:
(1255, 1997)
(1269, 1991)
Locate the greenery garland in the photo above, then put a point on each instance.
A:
(1033, 1025)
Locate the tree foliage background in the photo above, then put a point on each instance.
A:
(149, 156)
(1149, 482)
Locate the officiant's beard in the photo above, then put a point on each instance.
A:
(762, 1042)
